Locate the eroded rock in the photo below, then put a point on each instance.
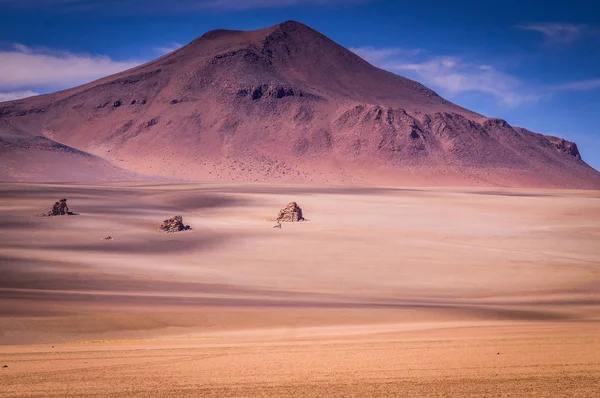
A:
(291, 213)
(174, 224)
(59, 208)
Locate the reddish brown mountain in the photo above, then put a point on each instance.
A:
(26, 158)
(286, 104)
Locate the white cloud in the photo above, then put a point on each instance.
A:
(28, 68)
(375, 55)
(559, 32)
(582, 85)
(449, 62)
(13, 95)
(450, 75)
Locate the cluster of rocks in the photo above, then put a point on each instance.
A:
(60, 208)
(291, 213)
(174, 224)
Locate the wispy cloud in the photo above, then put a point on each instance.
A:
(375, 55)
(450, 75)
(13, 95)
(23, 68)
(581, 85)
(563, 33)
(162, 50)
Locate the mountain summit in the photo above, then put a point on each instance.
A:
(282, 104)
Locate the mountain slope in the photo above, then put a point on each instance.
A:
(28, 159)
(286, 104)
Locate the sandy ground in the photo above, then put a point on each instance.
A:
(383, 292)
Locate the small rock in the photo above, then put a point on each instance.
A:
(5, 366)
(151, 122)
(291, 213)
(174, 224)
(117, 104)
(59, 208)
(278, 225)
(108, 238)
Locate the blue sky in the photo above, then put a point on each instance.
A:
(534, 64)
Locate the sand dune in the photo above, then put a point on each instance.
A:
(383, 292)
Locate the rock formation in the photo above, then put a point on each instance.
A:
(60, 208)
(564, 146)
(291, 213)
(174, 224)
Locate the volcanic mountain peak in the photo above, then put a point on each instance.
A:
(288, 104)
(287, 26)
(217, 34)
(298, 56)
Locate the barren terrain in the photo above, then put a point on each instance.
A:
(382, 292)
(283, 104)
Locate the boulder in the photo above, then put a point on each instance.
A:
(174, 224)
(291, 213)
(59, 208)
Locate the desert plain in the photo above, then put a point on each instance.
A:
(382, 292)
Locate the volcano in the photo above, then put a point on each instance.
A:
(282, 104)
